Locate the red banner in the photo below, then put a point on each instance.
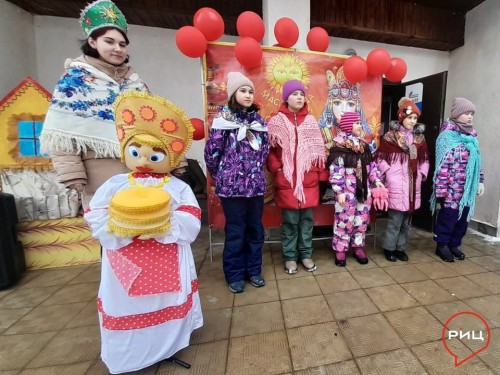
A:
(328, 94)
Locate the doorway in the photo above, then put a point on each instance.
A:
(432, 96)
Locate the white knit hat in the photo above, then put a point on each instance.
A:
(235, 80)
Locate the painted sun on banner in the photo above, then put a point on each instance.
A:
(329, 93)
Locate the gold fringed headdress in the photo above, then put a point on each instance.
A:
(156, 121)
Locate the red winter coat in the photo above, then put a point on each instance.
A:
(284, 197)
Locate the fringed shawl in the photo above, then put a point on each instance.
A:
(445, 143)
(302, 148)
(80, 116)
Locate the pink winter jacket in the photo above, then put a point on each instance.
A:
(396, 179)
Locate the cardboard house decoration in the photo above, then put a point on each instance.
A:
(22, 112)
(52, 233)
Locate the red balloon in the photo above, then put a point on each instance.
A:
(248, 52)
(286, 32)
(378, 61)
(199, 128)
(355, 69)
(318, 39)
(209, 22)
(251, 25)
(190, 41)
(397, 70)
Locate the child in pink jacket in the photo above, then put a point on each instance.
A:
(403, 162)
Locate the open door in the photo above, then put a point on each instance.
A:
(432, 95)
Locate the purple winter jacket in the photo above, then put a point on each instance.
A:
(237, 169)
(450, 179)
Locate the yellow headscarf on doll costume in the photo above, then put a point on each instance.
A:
(157, 121)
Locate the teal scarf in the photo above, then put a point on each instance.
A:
(446, 142)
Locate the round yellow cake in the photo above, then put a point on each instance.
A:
(135, 211)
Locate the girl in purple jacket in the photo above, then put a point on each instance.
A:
(458, 179)
(404, 163)
(352, 171)
(235, 155)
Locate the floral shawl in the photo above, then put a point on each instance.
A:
(80, 116)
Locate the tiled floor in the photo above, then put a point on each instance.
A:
(381, 318)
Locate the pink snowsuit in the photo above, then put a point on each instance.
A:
(352, 217)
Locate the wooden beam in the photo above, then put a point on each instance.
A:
(390, 21)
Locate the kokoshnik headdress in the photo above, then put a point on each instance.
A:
(102, 13)
(157, 121)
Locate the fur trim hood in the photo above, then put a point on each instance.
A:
(418, 129)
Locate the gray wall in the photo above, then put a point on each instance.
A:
(474, 74)
(17, 44)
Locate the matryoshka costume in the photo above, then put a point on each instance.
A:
(145, 220)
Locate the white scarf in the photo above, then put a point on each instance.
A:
(243, 129)
(80, 117)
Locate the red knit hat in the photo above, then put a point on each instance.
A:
(347, 120)
(406, 108)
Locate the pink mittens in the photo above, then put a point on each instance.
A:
(380, 198)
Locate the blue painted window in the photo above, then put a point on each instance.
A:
(29, 133)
